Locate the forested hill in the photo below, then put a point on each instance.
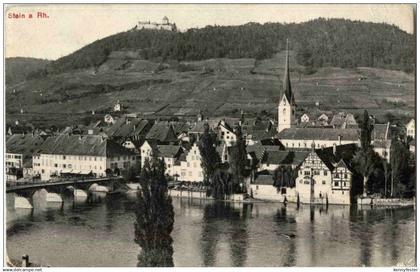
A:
(318, 43)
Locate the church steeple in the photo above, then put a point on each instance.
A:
(286, 107)
(287, 87)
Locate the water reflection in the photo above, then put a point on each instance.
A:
(208, 233)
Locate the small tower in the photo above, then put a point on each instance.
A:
(286, 107)
(165, 21)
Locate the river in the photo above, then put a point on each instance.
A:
(210, 233)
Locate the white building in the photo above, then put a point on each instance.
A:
(411, 129)
(80, 155)
(226, 134)
(164, 25)
(109, 119)
(188, 167)
(321, 137)
(287, 106)
(117, 106)
(169, 154)
(324, 177)
(305, 118)
(262, 188)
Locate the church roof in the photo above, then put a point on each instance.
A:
(349, 134)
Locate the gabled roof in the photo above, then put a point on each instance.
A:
(88, 145)
(168, 151)
(162, 132)
(284, 157)
(25, 144)
(349, 134)
(380, 132)
(128, 127)
(343, 153)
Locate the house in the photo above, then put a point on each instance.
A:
(19, 150)
(117, 106)
(305, 118)
(128, 129)
(226, 134)
(324, 176)
(188, 167)
(108, 119)
(80, 155)
(323, 119)
(168, 153)
(411, 129)
(273, 159)
(381, 140)
(322, 137)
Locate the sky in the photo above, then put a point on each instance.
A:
(67, 28)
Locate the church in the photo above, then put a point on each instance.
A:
(292, 136)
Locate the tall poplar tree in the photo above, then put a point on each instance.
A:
(154, 217)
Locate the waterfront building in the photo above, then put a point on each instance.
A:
(168, 153)
(81, 155)
(324, 175)
(188, 167)
(19, 149)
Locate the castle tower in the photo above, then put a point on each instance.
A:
(286, 107)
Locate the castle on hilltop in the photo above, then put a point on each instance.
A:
(164, 25)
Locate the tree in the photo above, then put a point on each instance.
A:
(284, 176)
(365, 164)
(132, 172)
(210, 159)
(154, 217)
(238, 161)
(400, 172)
(222, 184)
(366, 127)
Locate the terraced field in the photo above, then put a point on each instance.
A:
(216, 86)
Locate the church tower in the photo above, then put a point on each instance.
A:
(286, 107)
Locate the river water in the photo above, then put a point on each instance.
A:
(210, 233)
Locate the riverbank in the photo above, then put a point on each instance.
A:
(367, 201)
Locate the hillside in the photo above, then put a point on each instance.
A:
(217, 86)
(317, 43)
(18, 69)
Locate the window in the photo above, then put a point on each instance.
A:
(64, 157)
(169, 165)
(257, 187)
(69, 166)
(307, 173)
(94, 158)
(64, 165)
(336, 175)
(42, 171)
(325, 173)
(188, 164)
(284, 110)
(323, 182)
(345, 175)
(301, 181)
(335, 183)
